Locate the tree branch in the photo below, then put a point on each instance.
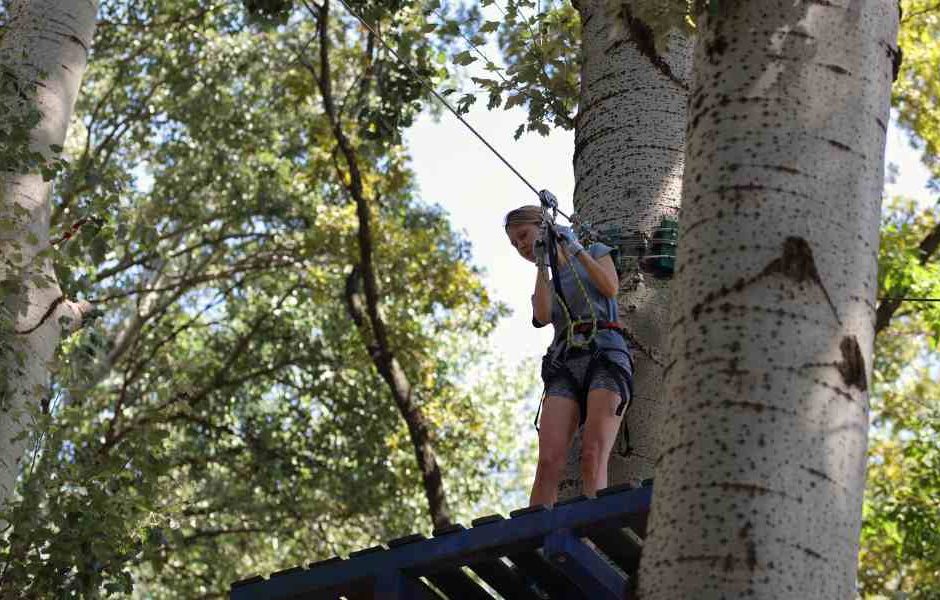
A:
(889, 306)
(642, 37)
(367, 310)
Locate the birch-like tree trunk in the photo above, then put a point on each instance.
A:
(759, 487)
(44, 50)
(628, 164)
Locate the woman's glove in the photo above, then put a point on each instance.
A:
(570, 239)
(540, 253)
(540, 244)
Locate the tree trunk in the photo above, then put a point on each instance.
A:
(44, 48)
(759, 487)
(364, 306)
(628, 163)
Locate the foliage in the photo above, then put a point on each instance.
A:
(900, 534)
(538, 41)
(916, 94)
(224, 417)
(902, 271)
(901, 531)
(901, 549)
(543, 71)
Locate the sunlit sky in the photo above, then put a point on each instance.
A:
(455, 170)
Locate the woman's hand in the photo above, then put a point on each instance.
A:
(542, 297)
(570, 239)
(539, 251)
(601, 271)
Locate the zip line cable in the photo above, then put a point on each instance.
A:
(430, 87)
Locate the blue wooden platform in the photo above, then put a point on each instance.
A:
(565, 553)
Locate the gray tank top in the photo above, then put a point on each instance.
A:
(580, 303)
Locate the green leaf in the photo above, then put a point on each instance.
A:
(489, 26)
(514, 100)
(464, 58)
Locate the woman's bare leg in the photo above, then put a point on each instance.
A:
(556, 428)
(598, 437)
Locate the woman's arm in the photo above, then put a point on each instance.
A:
(542, 297)
(602, 272)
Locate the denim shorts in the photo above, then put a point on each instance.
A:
(614, 374)
(603, 379)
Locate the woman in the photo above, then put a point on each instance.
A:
(587, 371)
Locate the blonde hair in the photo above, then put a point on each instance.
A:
(524, 215)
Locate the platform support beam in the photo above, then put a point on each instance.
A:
(583, 567)
(395, 585)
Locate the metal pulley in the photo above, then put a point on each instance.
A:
(548, 200)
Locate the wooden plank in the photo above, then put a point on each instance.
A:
(621, 547)
(449, 529)
(352, 590)
(519, 534)
(248, 581)
(529, 510)
(457, 585)
(503, 579)
(408, 539)
(506, 581)
(326, 561)
(284, 572)
(457, 562)
(637, 523)
(615, 489)
(582, 566)
(395, 585)
(370, 550)
(478, 522)
(538, 571)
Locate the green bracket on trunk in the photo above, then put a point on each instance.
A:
(661, 260)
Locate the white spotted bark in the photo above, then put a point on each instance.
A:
(628, 163)
(758, 490)
(44, 49)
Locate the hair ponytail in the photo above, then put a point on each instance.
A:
(524, 215)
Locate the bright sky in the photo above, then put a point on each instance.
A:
(456, 170)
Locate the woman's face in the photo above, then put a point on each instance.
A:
(523, 237)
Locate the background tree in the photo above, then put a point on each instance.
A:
(227, 416)
(760, 483)
(628, 164)
(43, 48)
(906, 330)
(901, 531)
